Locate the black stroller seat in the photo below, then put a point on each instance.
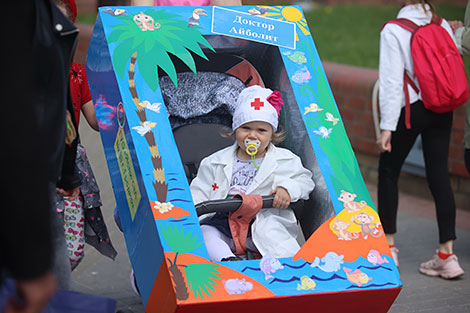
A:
(196, 141)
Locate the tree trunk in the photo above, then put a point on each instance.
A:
(161, 188)
(181, 289)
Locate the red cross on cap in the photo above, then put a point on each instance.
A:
(257, 104)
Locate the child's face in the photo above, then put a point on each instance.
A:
(257, 130)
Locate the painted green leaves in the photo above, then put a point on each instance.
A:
(179, 241)
(201, 278)
(154, 44)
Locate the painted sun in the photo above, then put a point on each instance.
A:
(289, 14)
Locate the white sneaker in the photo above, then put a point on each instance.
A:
(134, 283)
(448, 268)
(394, 251)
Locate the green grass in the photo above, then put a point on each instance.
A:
(350, 33)
(86, 18)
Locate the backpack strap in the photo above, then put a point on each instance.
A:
(436, 19)
(407, 24)
(407, 80)
(412, 27)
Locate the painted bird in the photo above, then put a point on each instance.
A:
(258, 10)
(195, 18)
(330, 118)
(144, 127)
(323, 131)
(312, 108)
(114, 12)
(155, 107)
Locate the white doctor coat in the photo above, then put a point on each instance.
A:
(274, 231)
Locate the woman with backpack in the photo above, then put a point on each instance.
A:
(399, 130)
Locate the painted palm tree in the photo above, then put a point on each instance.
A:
(200, 277)
(146, 40)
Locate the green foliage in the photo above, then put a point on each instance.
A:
(86, 18)
(350, 33)
(201, 278)
(179, 241)
(154, 48)
(347, 33)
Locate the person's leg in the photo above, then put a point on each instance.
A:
(436, 140)
(61, 263)
(218, 245)
(467, 160)
(390, 164)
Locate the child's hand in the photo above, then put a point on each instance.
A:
(69, 194)
(281, 198)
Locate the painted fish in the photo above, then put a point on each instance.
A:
(331, 262)
(296, 57)
(269, 265)
(301, 76)
(357, 276)
(375, 258)
(306, 283)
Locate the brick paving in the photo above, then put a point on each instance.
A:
(417, 240)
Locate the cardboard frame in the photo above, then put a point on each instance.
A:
(345, 263)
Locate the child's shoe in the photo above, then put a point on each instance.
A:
(232, 258)
(448, 268)
(134, 283)
(394, 252)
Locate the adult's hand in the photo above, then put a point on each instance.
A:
(34, 294)
(455, 25)
(383, 143)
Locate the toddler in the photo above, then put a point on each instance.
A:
(253, 165)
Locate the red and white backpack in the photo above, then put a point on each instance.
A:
(438, 67)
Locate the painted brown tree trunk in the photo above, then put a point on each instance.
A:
(133, 90)
(181, 290)
(161, 188)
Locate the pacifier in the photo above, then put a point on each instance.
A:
(252, 146)
(252, 149)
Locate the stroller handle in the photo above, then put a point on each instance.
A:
(229, 205)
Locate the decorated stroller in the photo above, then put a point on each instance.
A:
(164, 87)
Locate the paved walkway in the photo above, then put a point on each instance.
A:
(416, 239)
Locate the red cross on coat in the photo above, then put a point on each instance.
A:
(214, 186)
